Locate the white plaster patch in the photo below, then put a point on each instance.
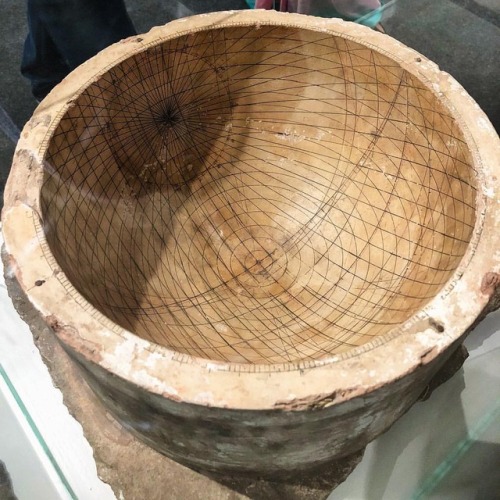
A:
(489, 191)
(464, 303)
(290, 136)
(320, 135)
(437, 87)
(29, 248)
(221, 327)
(213, 367)
(409, 355)
(483, 123)
(454, 85)
(429, 338)
(143, 378)
(204, 398)
(125, 352)
(154, 356)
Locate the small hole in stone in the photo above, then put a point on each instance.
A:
(436, 325)
(418, 59)
(39, 282)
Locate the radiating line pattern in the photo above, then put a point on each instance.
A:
(258, 195)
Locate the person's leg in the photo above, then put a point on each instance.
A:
(67, 33)
(41, 64)
(81, 28)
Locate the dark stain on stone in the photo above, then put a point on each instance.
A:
(436, 325)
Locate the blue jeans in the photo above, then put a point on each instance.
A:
(65, 33)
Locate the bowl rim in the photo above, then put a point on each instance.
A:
(96, 340)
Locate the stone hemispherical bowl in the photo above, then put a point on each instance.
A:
(260, 235)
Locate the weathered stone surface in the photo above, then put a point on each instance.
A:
(135, 471)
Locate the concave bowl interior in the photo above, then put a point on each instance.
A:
(258, 194)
